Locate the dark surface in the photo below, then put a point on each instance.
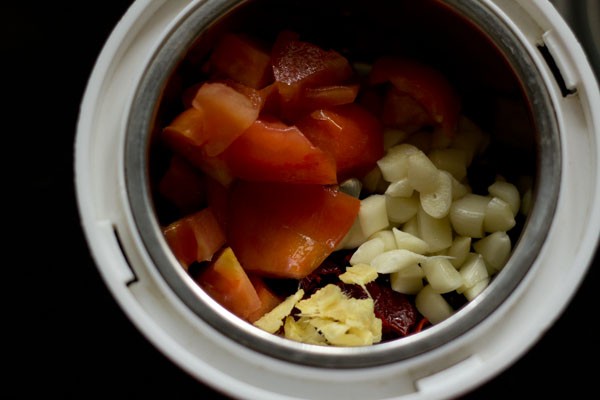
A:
(67, 338)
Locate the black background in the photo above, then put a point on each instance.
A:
(67, 337)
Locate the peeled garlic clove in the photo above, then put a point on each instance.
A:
(396, 260)
(437, 203)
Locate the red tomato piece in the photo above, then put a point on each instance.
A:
(314, 98)
(216, 197)
(255, 95)
(307, 100)
(402, 111)
(298, 64)
(271, 100)
(227, 114)
(242, 59)
(327, 96)
(350, 133)
(228, 284)
(196, 237)
(268, 299)
(272, 151)
(214, 167)
(187, 128)
(287, 230)
(423, 83)
(182, 185)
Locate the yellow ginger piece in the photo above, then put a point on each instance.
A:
(302, 331)
(339, 334)
(321, 302)
(359, 274)
(273, 320)
(342, 321)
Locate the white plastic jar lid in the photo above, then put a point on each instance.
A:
(443, 372)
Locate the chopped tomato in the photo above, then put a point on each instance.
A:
(242, 59)
(196, 237)
(402, 111)
(227, 114)
(287, 230)
(423, 83)
(255, 95)
(216, 197)
(268, 299)
(307, 100)
(314, 98)
(298, 64)
(219, 115)
(271, 100)
(272, 151)
(226, 281)
(187, 128)
(182, 185)
(327, 96)
(214, 167)
(351, 134)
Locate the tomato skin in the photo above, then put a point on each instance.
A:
(226, 282)
(189, 94)
(196, 237)
(287, 230)
(350, 133)
(227, 114)
(242, 59)
(424, 84)
(219, 114)
(328, 96)
(307, 100)
(272, 151)
(271, 100)
(254, 95)
(215, 166)
(216, 197)
(298, 64)
(403, 111)
(187, 129)
(268, 299)
(314, 98)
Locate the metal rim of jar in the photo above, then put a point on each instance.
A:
(139, 127)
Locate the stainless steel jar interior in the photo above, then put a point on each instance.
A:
(467, 40)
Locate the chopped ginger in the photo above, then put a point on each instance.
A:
(359, 274)
(273, 320)
(328, 317)
(301, 330)
(341, 320)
